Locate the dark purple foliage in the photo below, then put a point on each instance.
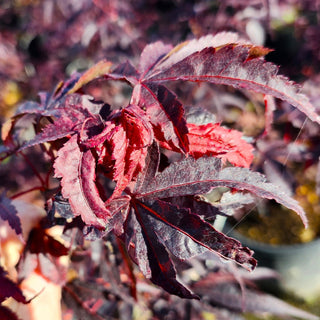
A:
(126, 144)
(135, 179)
(9, 213)
(255, 302)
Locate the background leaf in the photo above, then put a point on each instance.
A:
(9, 213)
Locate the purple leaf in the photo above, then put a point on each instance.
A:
(119, 208)
(186, 177)
(72, 113)
(153, 258)
(9, 289)
(124, 71)
(229, 295)
(254, 182)
(185, 234)
(152, 161)
(234, 64)
(62, 207)
(150, 55)
(79, 102)
(29, 107)
(9, 213)
(191, 177)
(197, 204)
(187, 48)
(69, 122)
(7, 314)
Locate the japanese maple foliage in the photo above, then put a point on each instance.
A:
(117, 167)
(8, 213)
(9, 289)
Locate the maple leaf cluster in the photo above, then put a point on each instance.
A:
(139, 171)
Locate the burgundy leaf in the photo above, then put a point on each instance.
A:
(150, 55)
(72, 113)
(191, 177)
(166, 115)
(183, 233)
(77, 170)
(152, 161)
(234, 64)
(40, 242)
(47, 102)
(9, 289)
(98, 139)
(152, 257)
(160, 53)
(69, 122)
(136, 245)
(82, 103)
(186, 177)
(187, 48)
(29, 107)
(7, 314)
(254, 182)
(9, 213)
(153, 204)
(60, 91)
(198, 205)
(73, 105)
(51, 133)
(125, 71)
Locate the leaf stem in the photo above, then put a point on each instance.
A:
(41, 188)
(34, 169)
(133, 287)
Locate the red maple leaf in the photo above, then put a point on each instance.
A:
(213, 140)
(125, 147)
